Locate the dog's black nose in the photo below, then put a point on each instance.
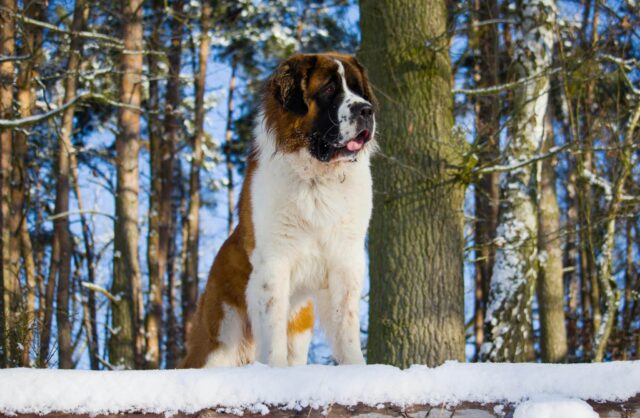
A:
(365, 110)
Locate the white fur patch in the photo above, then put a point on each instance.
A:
(310, 219)
(233, 349)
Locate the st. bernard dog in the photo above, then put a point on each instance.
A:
(303, 215)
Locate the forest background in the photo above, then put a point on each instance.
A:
(506, 222)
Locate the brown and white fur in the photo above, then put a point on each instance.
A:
(303, 215)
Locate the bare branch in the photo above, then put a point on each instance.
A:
(504, 168)
(96, 288)
(5, 58)
(78, 212)
(507, 86)
(81, 34)
(31, 120)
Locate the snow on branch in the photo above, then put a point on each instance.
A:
(32, 120)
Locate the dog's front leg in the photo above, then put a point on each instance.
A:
(345, 283)
(268, 307)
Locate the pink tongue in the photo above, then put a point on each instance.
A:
(355, 145)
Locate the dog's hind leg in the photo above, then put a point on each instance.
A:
(231, 336)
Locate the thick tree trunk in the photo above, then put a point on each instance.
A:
(553, 331)
(515, 270)
(126, 266)
(8, 282)
(487, 191)
(190, 281)
(416, 240)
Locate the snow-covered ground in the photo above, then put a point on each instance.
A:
(257, 387)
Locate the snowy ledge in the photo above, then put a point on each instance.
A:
(454, 389)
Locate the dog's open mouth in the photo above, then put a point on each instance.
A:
(351, 148)
(358, 142)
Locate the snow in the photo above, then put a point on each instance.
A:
(554, 407)
(256, 387)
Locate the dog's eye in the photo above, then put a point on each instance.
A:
(329, 89)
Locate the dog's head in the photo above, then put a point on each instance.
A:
(321, 102)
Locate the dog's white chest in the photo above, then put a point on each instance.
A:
(311, 216)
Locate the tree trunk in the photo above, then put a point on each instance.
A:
(62, 233)
(515, 270)
(606, 277)
(487, 190)
(190, 282)
(126, 266)
(89, 248)
(153, 323)
(416, 237)
(20, 239)
(175, 338)
(553, 331)
(8, 283)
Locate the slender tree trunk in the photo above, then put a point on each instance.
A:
(20, 239)
(45, 334)
(90, 303)
(630, 283)
(62, 233)
(606, 277)
(571, 264)
(8, 282)
(190, 282)
(175, 338)
(487, 191)
(416, 241)
(515, 270)
(126, 266)
(156, 281)
(553, 338)
(228, 148)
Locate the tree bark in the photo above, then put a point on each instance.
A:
(487, 190)
(126, 266)
(21, 249)
(8, 282)
(65, 151)
(153, 323)
(515, 271)
(416, 237)
(190, 282)
(553, 331)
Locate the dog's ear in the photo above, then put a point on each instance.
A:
(288, 84)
